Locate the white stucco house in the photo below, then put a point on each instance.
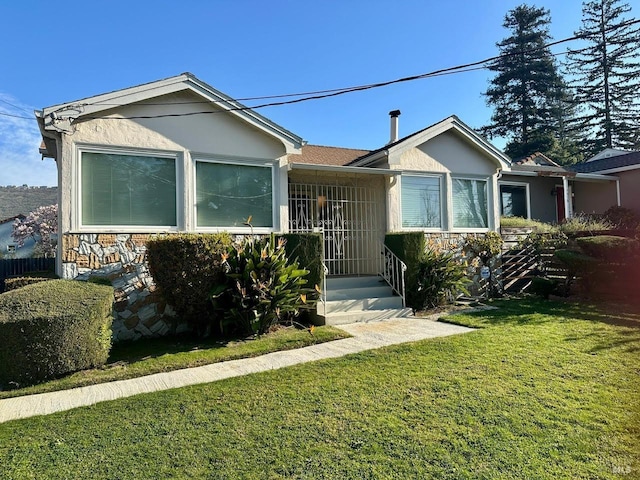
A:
(177, 155)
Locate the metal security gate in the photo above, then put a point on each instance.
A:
(350, 218)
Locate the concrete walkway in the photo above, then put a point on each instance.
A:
(366, 336)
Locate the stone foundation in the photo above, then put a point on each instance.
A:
(140, 311)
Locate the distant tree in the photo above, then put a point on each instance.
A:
(41, 225)
(606, 77)
(527, 91)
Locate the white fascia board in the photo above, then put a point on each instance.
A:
(95, 105)
(344, 169)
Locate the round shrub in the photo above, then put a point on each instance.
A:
(49, 329)
(609, 247)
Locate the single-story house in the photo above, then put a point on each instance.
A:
(177, 155)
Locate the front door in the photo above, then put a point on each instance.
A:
(560, 204)
(350, 219)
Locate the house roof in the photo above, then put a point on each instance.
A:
(537, 162)
(323, 155)
(11, 219)
(628, 161)
(60, 117)
(421, 136)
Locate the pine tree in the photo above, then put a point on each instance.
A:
(527, 91)
(607, 77)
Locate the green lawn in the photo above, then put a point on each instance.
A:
(145, 357)
(540, 391)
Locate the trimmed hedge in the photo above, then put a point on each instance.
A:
(609, 247)
(53, 328)
(409, 247)
(186, 268)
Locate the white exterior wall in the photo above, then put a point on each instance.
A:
(216, 134)
(447, 155)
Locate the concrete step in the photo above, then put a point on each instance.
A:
(341, 283)
(369, 303)
(359, 293)
(342, 318)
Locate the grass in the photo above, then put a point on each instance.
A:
(541, 390)
(135, 359)
(519, 222)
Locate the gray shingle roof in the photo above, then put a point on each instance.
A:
(608, 163)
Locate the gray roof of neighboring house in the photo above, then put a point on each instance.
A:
(609, 163)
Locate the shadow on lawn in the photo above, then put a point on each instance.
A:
(532, 311)
(134, 351)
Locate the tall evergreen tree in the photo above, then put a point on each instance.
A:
(527, 91)
(607, 77)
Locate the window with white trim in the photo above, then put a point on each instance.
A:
(421, 206)
(227, 194)
(122, 189)
(513, 201)
(470, 206)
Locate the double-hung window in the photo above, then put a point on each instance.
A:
(421, 206)
(470, 206)
(228, 194)
(123, 189)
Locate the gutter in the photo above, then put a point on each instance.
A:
(343, 169)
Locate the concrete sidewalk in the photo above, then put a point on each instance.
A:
(366, 336)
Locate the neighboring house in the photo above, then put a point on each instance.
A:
(536, 187)
(625, 168)
(8, 246)
(177, 155)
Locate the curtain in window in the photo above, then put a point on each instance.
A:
(128, 190)
(469, 203)
(420, 202)
(228, 194)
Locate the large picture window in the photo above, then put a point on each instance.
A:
(421, 202)
(228, 194)
(128, 190)
(513, 201)
(469, 203)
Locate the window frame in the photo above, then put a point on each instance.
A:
(138, 152)
(442, 199)
(490, 197)
(515, 184)
(241, 161)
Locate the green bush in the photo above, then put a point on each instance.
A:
(622, 217)
(440, 278)
(484, 246)
(519, 222)
(584, 223)
(542, 287)
(53, 328)
(609, 247)
(186, 267)
(409, 247)
(306, 249)
(262, 287)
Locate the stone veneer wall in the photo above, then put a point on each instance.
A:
(140, 310)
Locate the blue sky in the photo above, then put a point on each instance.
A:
(54, 52)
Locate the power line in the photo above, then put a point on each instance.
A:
(320, 94)
(16, 116)
(15, 106)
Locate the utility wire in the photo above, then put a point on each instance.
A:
(15, 106)
(320, 94)
(15, 116)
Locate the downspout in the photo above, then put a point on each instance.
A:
(618, 191)
(567, 199)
